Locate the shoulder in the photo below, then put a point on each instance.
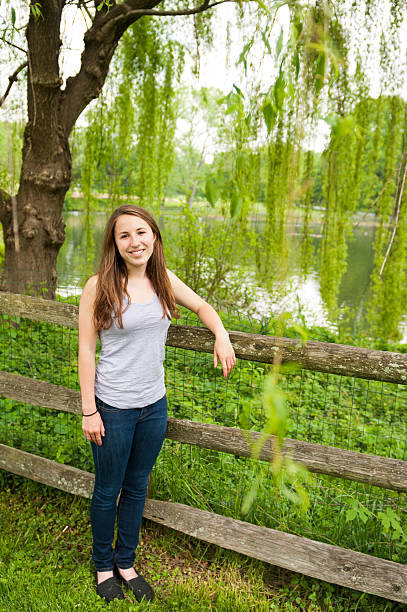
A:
(90, 285)
(91, 282)
(184, 296)
(171, 275)
(89, 291)
(174, 280)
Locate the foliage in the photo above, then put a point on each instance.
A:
(359, 415)
(46, 533)
(212, 258)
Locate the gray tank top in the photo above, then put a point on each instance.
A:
(130, 372)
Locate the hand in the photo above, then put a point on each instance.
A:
(223, 351)
(93, 428)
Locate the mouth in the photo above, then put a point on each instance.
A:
(136, 253)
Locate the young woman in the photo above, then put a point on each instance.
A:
(129, 304)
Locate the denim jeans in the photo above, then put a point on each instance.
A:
(132, 441)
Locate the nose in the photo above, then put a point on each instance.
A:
(134, 239)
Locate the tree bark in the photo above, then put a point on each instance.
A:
(30, 262)
(46, 167)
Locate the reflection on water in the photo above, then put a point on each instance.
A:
(76, 263)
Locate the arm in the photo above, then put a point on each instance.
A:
(92, 426)
(223, 349)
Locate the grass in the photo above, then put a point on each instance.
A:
(45, 548)
(47, 532)
(358, 415)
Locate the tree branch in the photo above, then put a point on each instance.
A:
(12, 79)
(82, 5)
(199, 9)
(15, 46)
(101, 40)
(399, 199)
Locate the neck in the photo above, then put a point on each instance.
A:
(137, 273)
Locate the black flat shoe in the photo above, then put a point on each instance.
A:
(139, 586)
(109, 589)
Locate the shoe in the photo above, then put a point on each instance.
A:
(139, 586)
(109, 589)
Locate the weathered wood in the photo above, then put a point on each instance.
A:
(39, 393)
(318, 356)
(317, 559)
(46, 471)
(350, 465)
(369, 469)
(37, 309)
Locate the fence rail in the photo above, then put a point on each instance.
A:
(317, 559)
(369, 469)
(317, 356)
(324, 561)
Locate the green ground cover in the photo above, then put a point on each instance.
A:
(348, 413)
(45, 564)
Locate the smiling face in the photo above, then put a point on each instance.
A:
(134, 239)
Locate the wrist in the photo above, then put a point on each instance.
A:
(221, 334)
(89, 414)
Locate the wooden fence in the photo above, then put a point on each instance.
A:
(319, 560)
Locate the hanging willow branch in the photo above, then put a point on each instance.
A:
(373, 205)
(400, 196)
(12, 78)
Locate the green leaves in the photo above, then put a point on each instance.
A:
(274, 101)
(105, 3)
(341, 126)
(36, 10)
(279, 44)
(274, 401)
(320, 73)
(243, 55)
(211, 191)
(269, 114)
(236, 204)
(357, 510)
(391, 524)
(279, 91)
(212, 195)
(388, 518)
(234, 102)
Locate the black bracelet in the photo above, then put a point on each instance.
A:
(91, 414)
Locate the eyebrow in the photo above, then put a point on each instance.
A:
(127, 231)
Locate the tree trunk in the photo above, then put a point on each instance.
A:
(33, 227)
(32, 269)
(32, 244)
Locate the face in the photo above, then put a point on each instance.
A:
(134, 239)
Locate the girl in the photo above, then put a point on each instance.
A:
(129, 304)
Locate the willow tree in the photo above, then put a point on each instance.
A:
(33, 227)
(326, 70)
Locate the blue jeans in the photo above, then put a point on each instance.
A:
(133, 439)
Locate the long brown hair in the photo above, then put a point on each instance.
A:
(113, 275)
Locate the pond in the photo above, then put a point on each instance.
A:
(80, 253)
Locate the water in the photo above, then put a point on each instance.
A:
(79, 256)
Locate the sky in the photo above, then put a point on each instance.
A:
(214, 71)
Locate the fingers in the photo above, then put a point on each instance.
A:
(228, 363)
(93, 429)
(223, 352)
